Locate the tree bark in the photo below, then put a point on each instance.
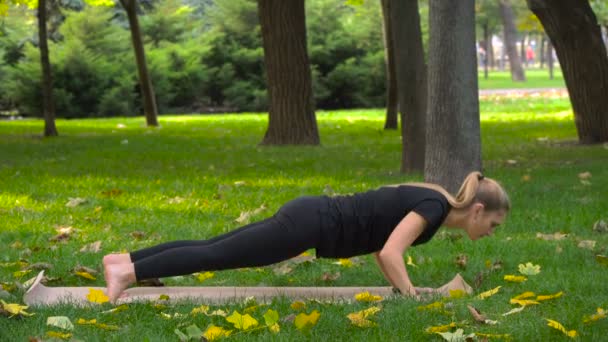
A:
(487, 47)
(510, 35)
(48, 103)
(392, 103)
(575, 35)
(291, 116)
(453, 146)
(145, 83)
(411, 82)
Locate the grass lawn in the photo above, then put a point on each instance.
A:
(192, 177)
(535, 78)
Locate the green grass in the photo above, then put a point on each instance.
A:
(178, 182)
(535, 78)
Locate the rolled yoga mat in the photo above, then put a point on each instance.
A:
(39, 294)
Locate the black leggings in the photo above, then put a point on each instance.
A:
(294, 229)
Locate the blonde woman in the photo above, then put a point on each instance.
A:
(385, 221)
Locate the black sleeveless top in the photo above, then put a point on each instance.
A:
(361, 223)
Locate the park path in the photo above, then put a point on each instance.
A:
(522, 92)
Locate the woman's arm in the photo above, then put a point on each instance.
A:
(390, 258)
(383, 269)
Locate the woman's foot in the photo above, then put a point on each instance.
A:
(117, 258)
(118, 278)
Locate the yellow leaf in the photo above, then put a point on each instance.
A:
(432, 306)
(489, 293)
(120, 308)
(529, 269)
(367, 297)
(525, 295)
(275, 328)
(410, 261)
(218, 312)
(556, 325)
(163, 297)
(57, 334)
(298, 305)
(458, 293)
(493, 336)
(15, 309)
(344, 262)
(601, 313)
(97, 296)
(20, 274)
(204, 276)
(440, 328)
(305, 322)
(83, 321)
(203, 309)
(242, 322)
(547, 297)
(523, 302)
(516, 310)
(214, 333)
(514, 278)
(357, 320)
(85, 275)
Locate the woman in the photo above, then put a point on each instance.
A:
(385, 221)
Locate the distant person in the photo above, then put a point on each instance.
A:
(482, 56)
(385, 221)
(530, 56)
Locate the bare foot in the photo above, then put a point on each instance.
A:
(118, 278)
(116, 258)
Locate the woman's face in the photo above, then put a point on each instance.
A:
(482, 223)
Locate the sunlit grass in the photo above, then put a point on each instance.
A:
(193, 176)
(535, 78)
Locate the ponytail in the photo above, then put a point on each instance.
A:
(475, 188)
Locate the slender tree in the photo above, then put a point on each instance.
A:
(510, 35)
(48, 103)
(575, 34)
(411, 82)
(291, 116)
(453, 146)
(145, 83)
(392, 103)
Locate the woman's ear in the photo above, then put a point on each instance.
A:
(477, 210)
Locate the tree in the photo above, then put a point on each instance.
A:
(453, 145)
(510, 35)
(392, 103)
(291, 116)
(576, 36)
(145, 84)
(411, 81)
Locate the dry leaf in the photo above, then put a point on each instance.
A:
(39, 266)
(440, 328)
(479, 317)
(461, 261)
(516, 310)
(246, 215)
(203, 276)
(57, 334)
(138, 235)
(367, 297)
(601, 313)
(525, 295)
(282, 269)
(330, 277)
(457, 336)
(529, 269)
(550, 237)
(493, 336)
(214, 333)
(304, 322)
(489, 293)
(85, 275)
(92, 247)
(344, 262)
(97, 296)
(588, 244)
(76, 201)
(547, 297)
(61, 322)
(298, 305)
(523, 302)
(112, 192)
(600, 226)
(360, 318)
(560, 327)
(63, 233)
(410, 261)
(514, 278)
(12, 309)
(584, 175)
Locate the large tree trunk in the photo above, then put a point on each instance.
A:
(575, 35)
(411, 82)
(48, 104)
(453, 146)
(510, 35)
(487, 47)
(145, 83)
(392, 103)
(291, 116)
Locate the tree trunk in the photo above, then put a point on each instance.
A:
(291, 116)
(510, 35)
(550, 58)
(543, 42)
(145, 83)
(488, 46)
(522, 51)
(453, 132)
(576, 37)
(48, 104)
(391, 79)
(411, 82)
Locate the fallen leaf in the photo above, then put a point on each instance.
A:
(440, 328)
(330, 277)
(525, 295)
(516, 310)
(204, 276)
(85, 275)
(97, 296)
(76, 201)
(93, 247)
(511, 161)
(547, 297)
(61, 322)
(550, 237)
(410, 261)
(302, 258)
(39, 266)
(556, 325)
(457, 336)
(242, 322)
(514, 278)
(600, 314)
(526, 178)
(360, 318)
(21, 274)
(246, 215)
(493, 336)
(480, 317)
(282, 269)
(461, 261)
(367, 297)
(120, 308)
(600, 226)
(63, 233)
(602, 259)
(588, 244)
(213, 333)
(16, 245)
(57, 334)
(305, 322)
(112, 192)
(523, 302)
(138, 235)
(344, 262)
(584, 175)
(12, 309)
(529, 269)
(298, 305)
(489, 293)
